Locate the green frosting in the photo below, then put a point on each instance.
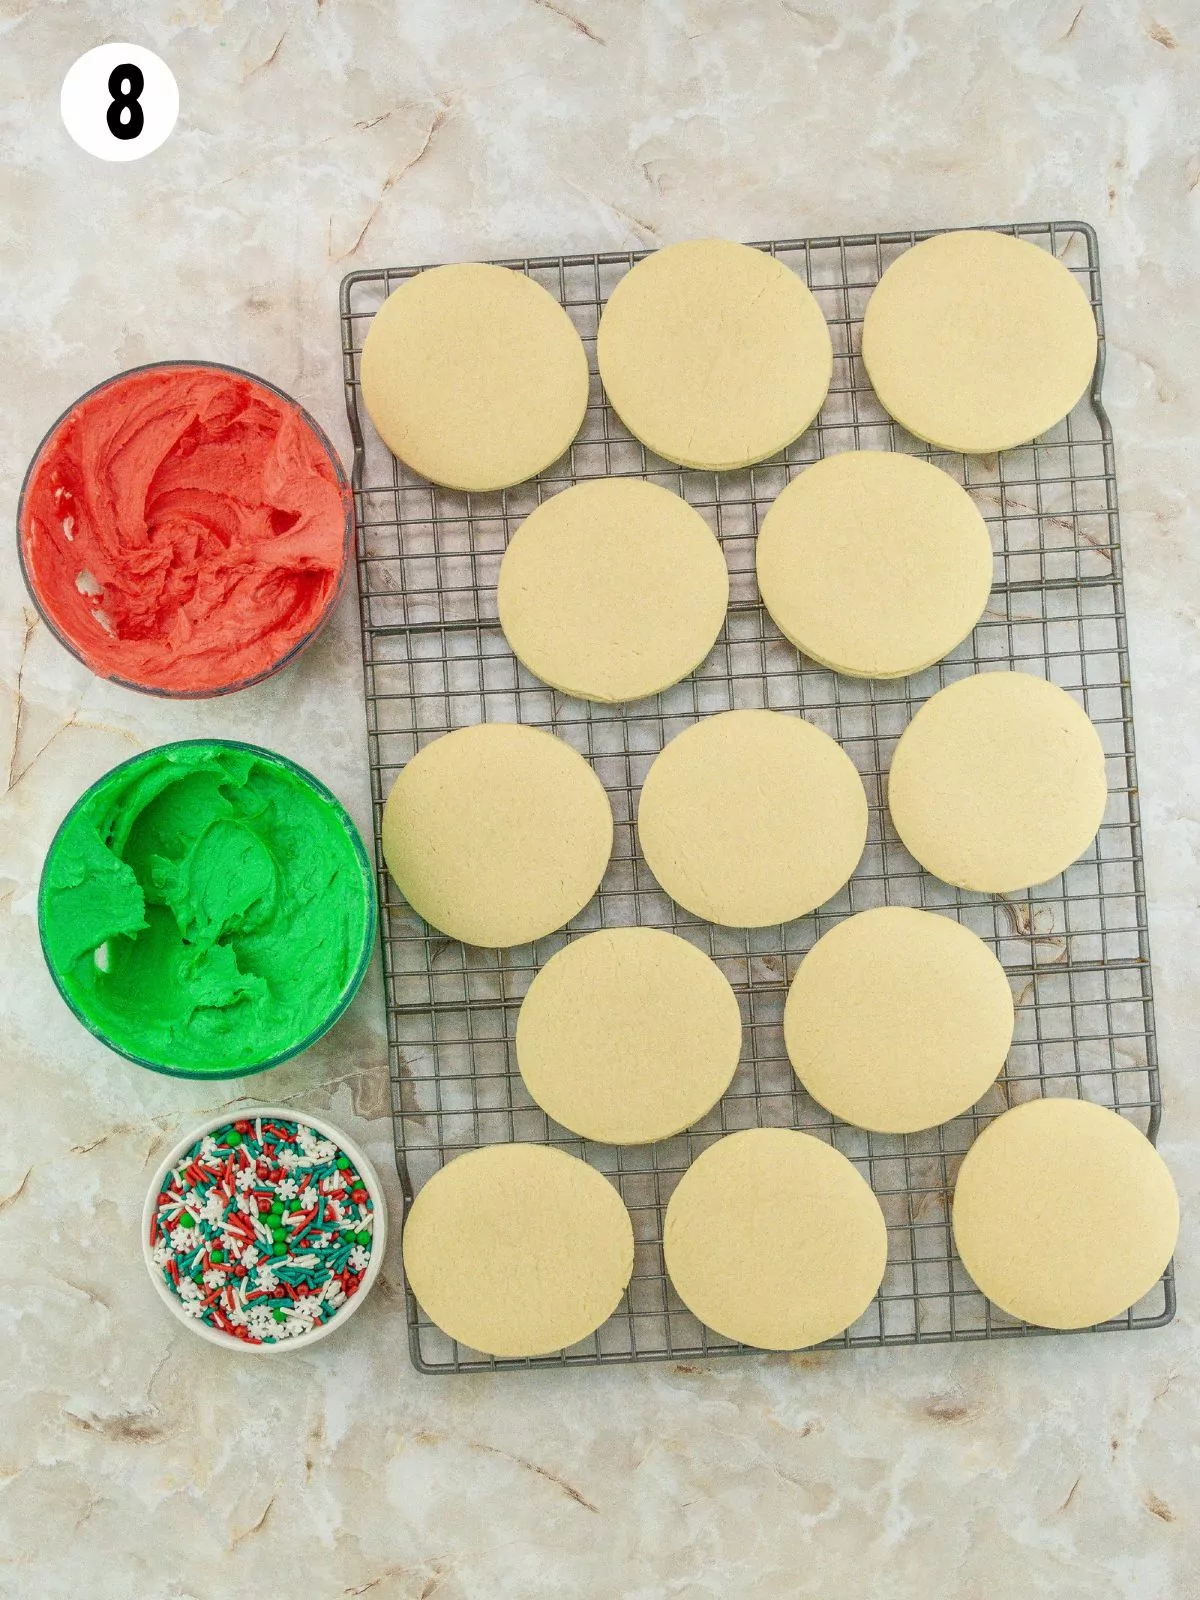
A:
(207, 908)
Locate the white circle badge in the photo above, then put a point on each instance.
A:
(119, 101)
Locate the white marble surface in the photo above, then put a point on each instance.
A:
(136, 1463)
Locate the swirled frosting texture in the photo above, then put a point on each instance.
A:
(206, 908)
(184, 529)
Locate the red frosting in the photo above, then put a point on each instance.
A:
(184, 529)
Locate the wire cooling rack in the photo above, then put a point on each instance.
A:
(1075, 949)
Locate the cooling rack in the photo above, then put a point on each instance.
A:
(1075, 949)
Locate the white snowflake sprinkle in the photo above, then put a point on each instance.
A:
(359, 1258)
(288, 1189)
(246, 1179)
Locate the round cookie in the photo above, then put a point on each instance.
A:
(998, 782)
(714, 354)
(874, 563)
(497, 834)
(613, 590)
(518, 1249)
(978, 341)
(898, 1020)
(772, 1238)
(1064, 1214)
(474, 376)
(628, 1035)
(751, 818)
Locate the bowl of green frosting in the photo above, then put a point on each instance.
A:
(207, 909)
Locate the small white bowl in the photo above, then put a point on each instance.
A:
(378, 1233)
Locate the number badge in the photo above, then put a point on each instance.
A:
(119, 101)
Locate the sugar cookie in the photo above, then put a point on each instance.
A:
(898, 1020)
(474, 376)
(978, 341)
(773, 1238)
(714, 355)
(518, 1249)
(613, 590)
(1064, 1214)
(874, 563)
(497, 834)
(751, 818)
(628, 1035)
(998, 782)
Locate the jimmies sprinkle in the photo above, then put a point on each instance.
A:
(263, 1229)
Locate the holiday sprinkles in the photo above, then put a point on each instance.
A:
(263, 1229)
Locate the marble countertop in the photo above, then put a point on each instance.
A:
(137, 1463)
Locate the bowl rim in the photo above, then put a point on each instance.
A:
(370, 1176)
(348, 535)
(353, 984)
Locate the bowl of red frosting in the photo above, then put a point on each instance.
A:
(185, 529)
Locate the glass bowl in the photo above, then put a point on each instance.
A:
(75, 826)
(91, 654)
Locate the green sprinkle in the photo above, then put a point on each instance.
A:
(363, 1238)
(216, 1257)
(278, 1315)
(280, 1248)
(342, 1163)
(276, 1208)
(186, 1220)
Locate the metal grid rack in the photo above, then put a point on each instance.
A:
(1075, 949)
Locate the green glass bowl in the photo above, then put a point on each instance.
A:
(71, 977)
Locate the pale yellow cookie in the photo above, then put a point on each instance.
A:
(998, 782)
(774, 1239)
(714, 355)
(874, 563)
(752, 817)
(898, 1020)
(978, 341)
(628, 1035)
(497, 834)
(474, 376)
(613, 590)
(1064, 1214)
(518, 1249)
